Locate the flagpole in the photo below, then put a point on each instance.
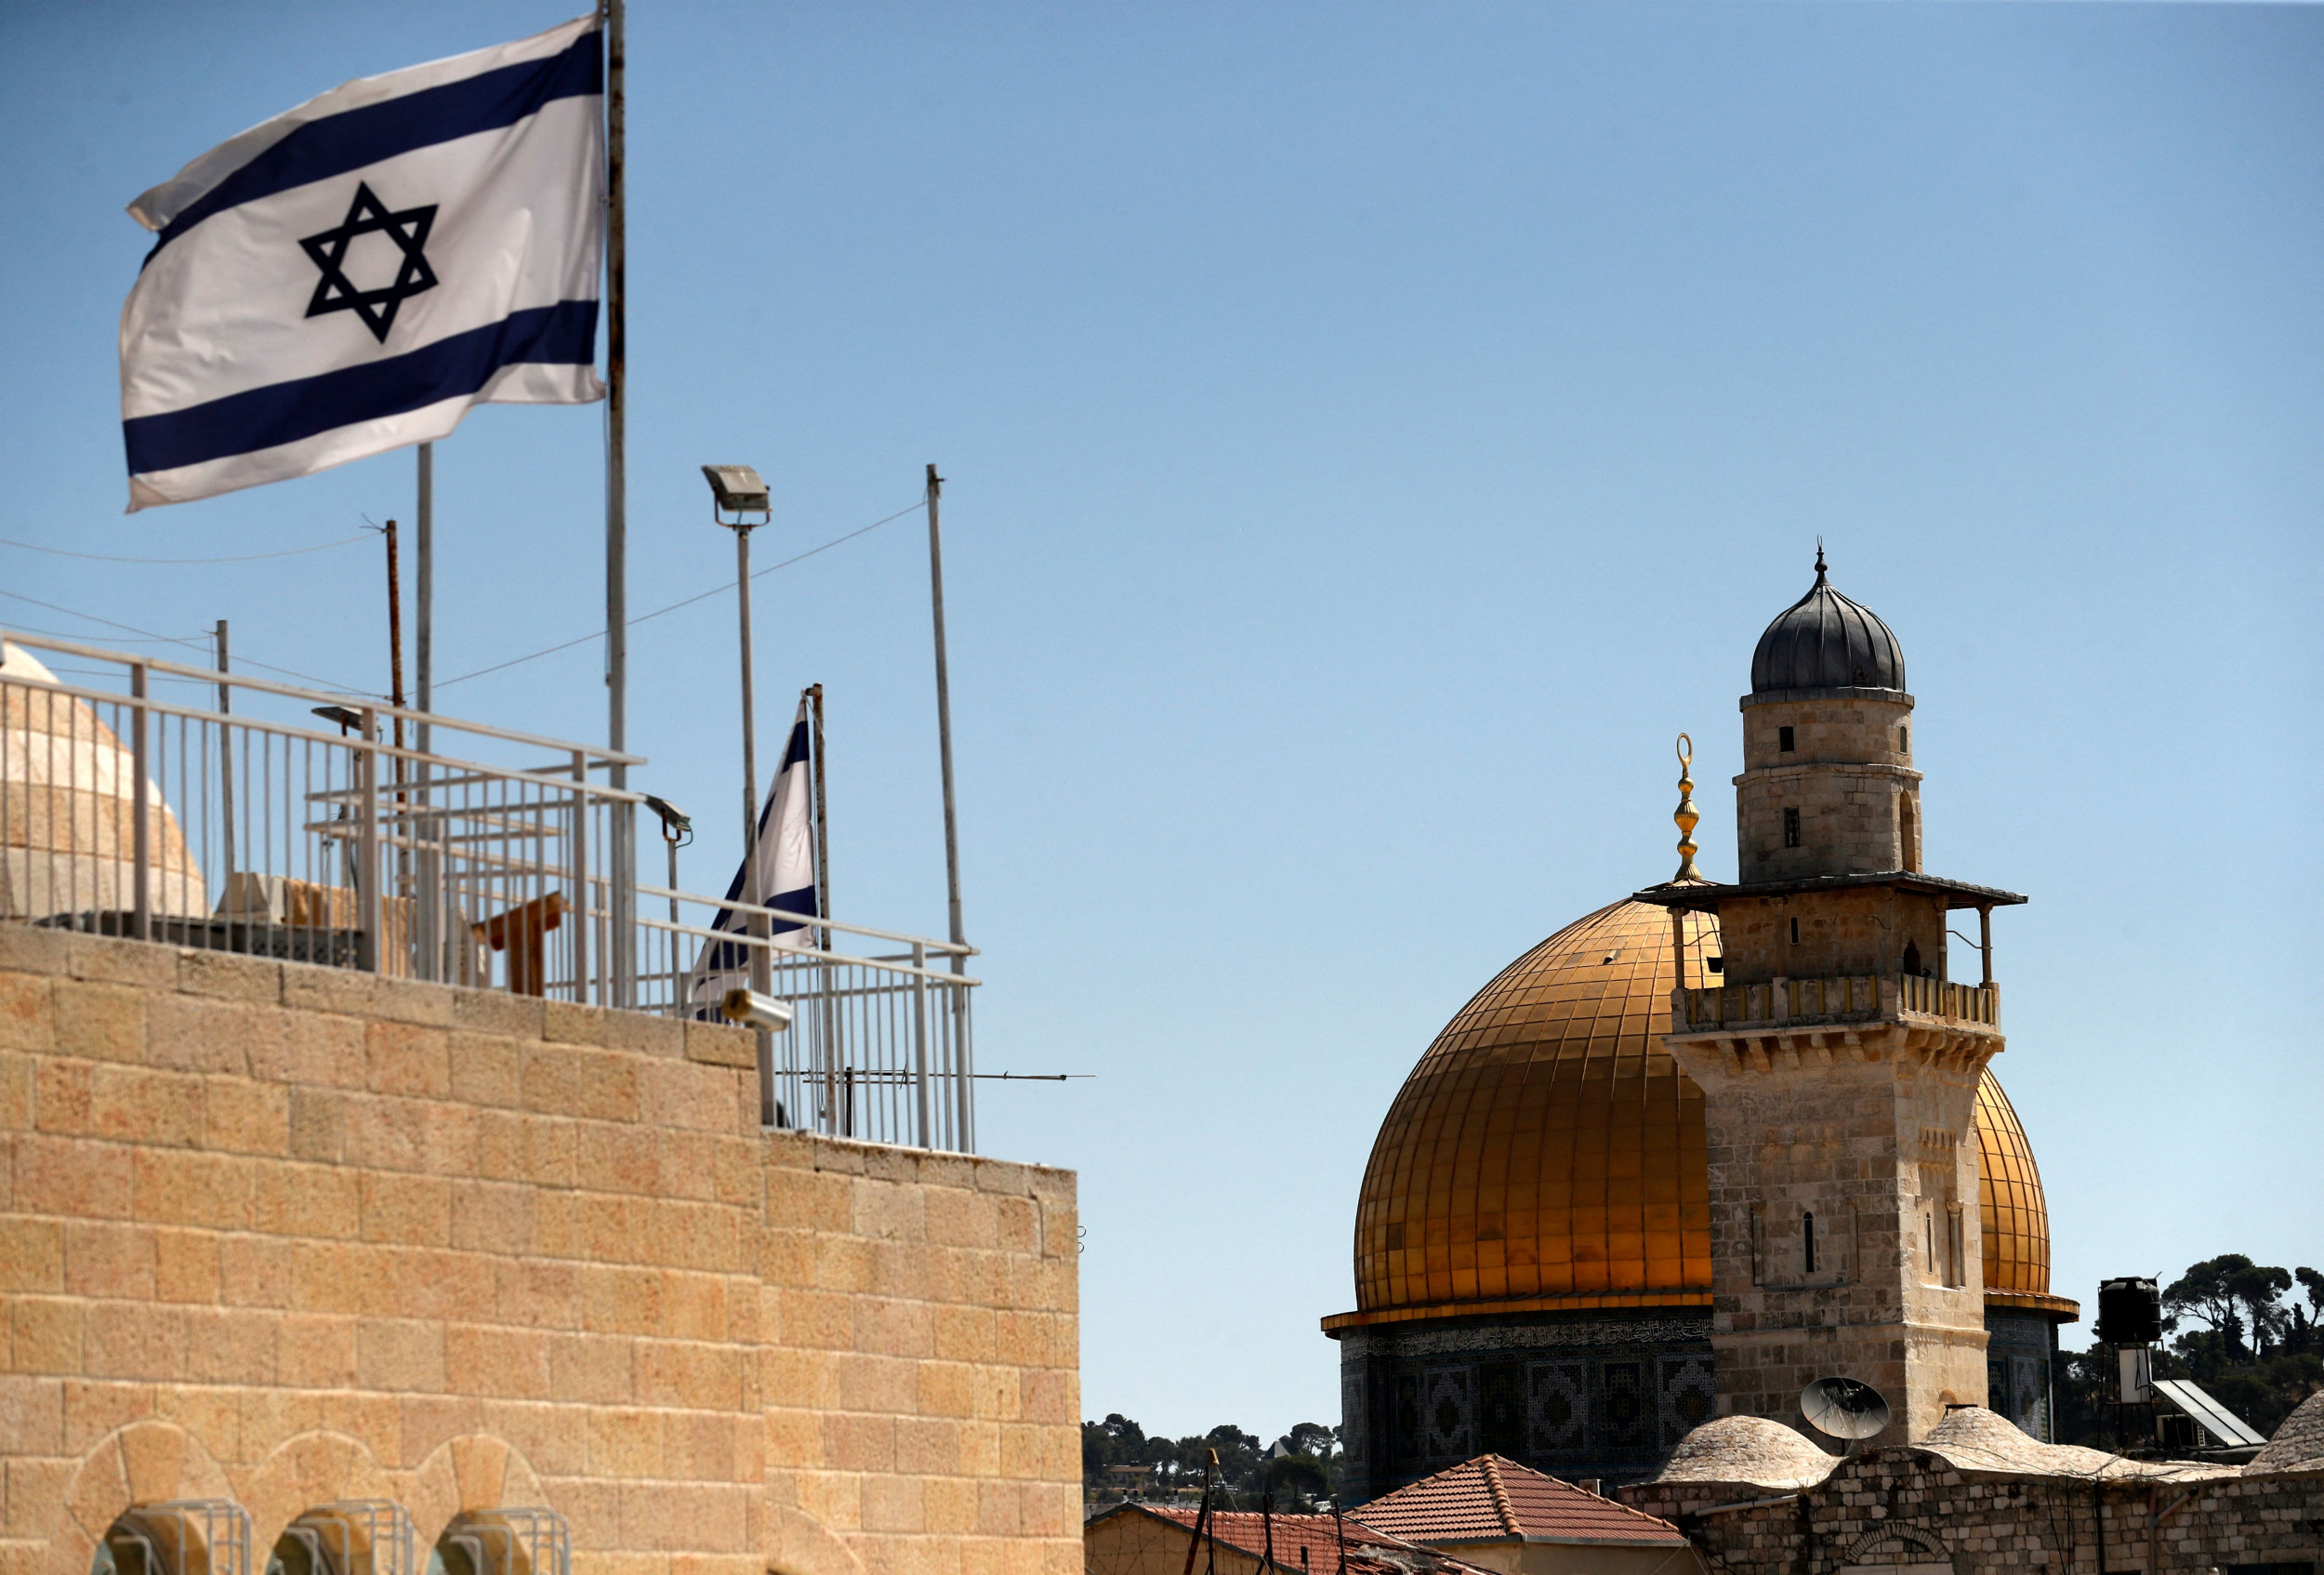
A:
(428, 929)
(621, 888)
(944, 716)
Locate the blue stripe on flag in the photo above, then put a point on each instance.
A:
(796, 752)
(563, 335)
(354, 138)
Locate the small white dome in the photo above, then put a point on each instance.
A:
(68, 827)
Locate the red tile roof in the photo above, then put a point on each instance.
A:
(1371, 1551)
(1493, 1500)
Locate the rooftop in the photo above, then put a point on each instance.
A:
(1312, 1541)
(1493, 1500)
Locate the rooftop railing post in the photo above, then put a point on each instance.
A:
(369, 909)
(142, 842)
(622, 894)
(585, 911)
(921, 1109)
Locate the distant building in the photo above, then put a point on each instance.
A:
(1134, 1539)
(1505, 1518)
(1539, 1270)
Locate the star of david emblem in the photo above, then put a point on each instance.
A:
(368, 216)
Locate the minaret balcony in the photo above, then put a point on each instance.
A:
(1785, 1005)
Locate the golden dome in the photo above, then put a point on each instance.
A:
(1547, 1152)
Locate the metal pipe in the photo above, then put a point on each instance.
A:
(366, 884)
(209, 675)
(429, 926)
(756, 924)
(141, 877)
(922, 1111)
(621, 892)
(944, 706)
(225, 760)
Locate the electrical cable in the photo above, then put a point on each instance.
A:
(190, 645)
(703, 596)
(245, 558)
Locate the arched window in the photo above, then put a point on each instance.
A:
(183, 1537)
(1807, 1241)
(354, 1537)
(504, 1542)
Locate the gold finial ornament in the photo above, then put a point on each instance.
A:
(1686, 814)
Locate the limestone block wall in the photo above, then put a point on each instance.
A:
(1848, 778)
(288, 1235)
(1904, 1507)
(1864, 1142)
(1842, 935)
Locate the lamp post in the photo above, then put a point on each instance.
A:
(736, 490)
(678, 829)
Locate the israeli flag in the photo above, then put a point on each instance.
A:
(350, 277)
(778, 872)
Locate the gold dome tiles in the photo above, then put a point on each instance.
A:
(1547, 1153)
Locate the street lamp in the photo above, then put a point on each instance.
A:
(678, 829)
(738, 490)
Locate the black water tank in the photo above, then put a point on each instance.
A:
(2130, 1313)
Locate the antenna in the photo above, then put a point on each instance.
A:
(1843, 1407)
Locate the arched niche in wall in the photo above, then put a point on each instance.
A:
(178, 1537)
(351, 1537)
(508, 1541)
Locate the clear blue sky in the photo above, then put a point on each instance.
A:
(1374, 430)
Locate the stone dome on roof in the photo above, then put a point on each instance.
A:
(1753, 1450)
(1824, 641)
(1547, 1153)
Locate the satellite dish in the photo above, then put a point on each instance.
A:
(1843, 1407)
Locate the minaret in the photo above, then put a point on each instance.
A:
(1839, 1064)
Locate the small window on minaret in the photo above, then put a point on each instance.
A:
(1791, 829)
(1904, 740)
(1807, 1240)
(1795, 931)
(1783, 739)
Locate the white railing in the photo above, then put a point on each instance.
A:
(174, 803)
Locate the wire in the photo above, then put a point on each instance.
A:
(245, 558)
(703, 596)
(190, 645)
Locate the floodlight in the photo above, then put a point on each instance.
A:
(737, 489)
(677, 827)
(755, 1011)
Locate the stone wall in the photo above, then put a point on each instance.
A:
(1902, 1507)
(286, 1234)
(1846, 777)
(1842, 935)
(1864, 1142)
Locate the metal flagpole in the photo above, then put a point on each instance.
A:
(944, 712)
(428, 927)
(621, 889)
(964, 1129)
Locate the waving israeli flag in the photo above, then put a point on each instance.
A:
(778, 871)
(351, 276)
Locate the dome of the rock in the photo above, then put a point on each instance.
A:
(1547, 1152)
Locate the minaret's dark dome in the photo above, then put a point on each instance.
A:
(1824, 641)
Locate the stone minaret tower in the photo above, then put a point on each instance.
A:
(1838, 1060)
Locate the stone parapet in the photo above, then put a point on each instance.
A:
(286, 1234)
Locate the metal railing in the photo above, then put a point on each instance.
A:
(1856, 998)
(880, 1043)
(174, 803)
